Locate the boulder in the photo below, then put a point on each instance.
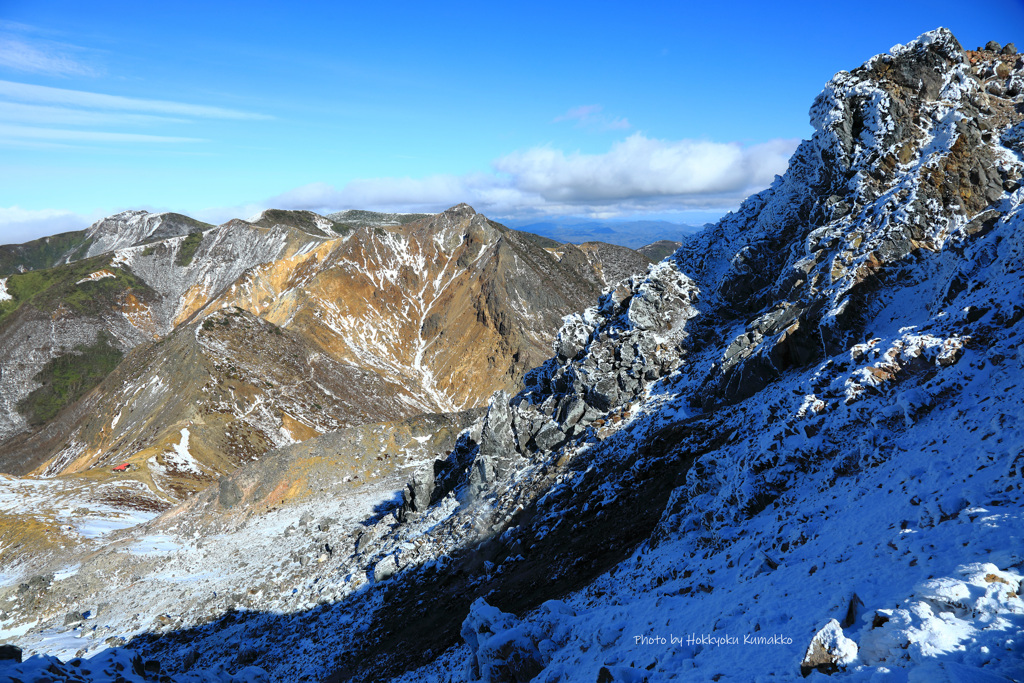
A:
(420, 488)
(497, 440)
(549, 437)
(571, 410)
(10, 652)
(604, 393)
(572, 339)
(246, 655)
(228, 493)
(830, 650)
(502, 650)
(190, 659)
(993, 46)
(385, 569)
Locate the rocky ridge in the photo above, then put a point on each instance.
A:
(751, 441)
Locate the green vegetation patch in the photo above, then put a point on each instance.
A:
(188, 248)
(346, 221)
(42, 253)
(68, 377)
(47, 289)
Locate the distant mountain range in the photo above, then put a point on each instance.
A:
(632, 234)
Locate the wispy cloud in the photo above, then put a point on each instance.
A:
(8, 132)
(46, 115)
(43, 57)
(592, 116)
(635, 175)
(41, 94)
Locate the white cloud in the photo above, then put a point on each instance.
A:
(41, 94)
(640, 167)
(19, 225)
(45, 58)
(637, 175)
(592, 116)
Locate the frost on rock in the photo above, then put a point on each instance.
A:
(506, 650)
(829, 650)
(978, 610)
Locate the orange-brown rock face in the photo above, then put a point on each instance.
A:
(454, 305)
(371, 326)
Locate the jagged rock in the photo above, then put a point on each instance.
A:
(497, 440)
(247, 655)
(573, 409)
(830, 650)
(1009, 49)
(604, 393)
(572, 340)
(498, 453)
(416, 496)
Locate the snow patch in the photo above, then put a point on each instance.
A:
(97, 275)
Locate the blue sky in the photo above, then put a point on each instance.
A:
(667, 110)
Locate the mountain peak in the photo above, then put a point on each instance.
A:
(459, 211)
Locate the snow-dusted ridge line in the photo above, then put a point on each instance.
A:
(825, 391)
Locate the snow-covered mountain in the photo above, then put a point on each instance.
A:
(793, 448)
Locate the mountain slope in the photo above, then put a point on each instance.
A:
(45, 252)
(273, 331)
(134, 295)
(793, 445)
(455, 303)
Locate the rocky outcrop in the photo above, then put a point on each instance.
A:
(903, 159)
(498, 453)
(604, 357)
